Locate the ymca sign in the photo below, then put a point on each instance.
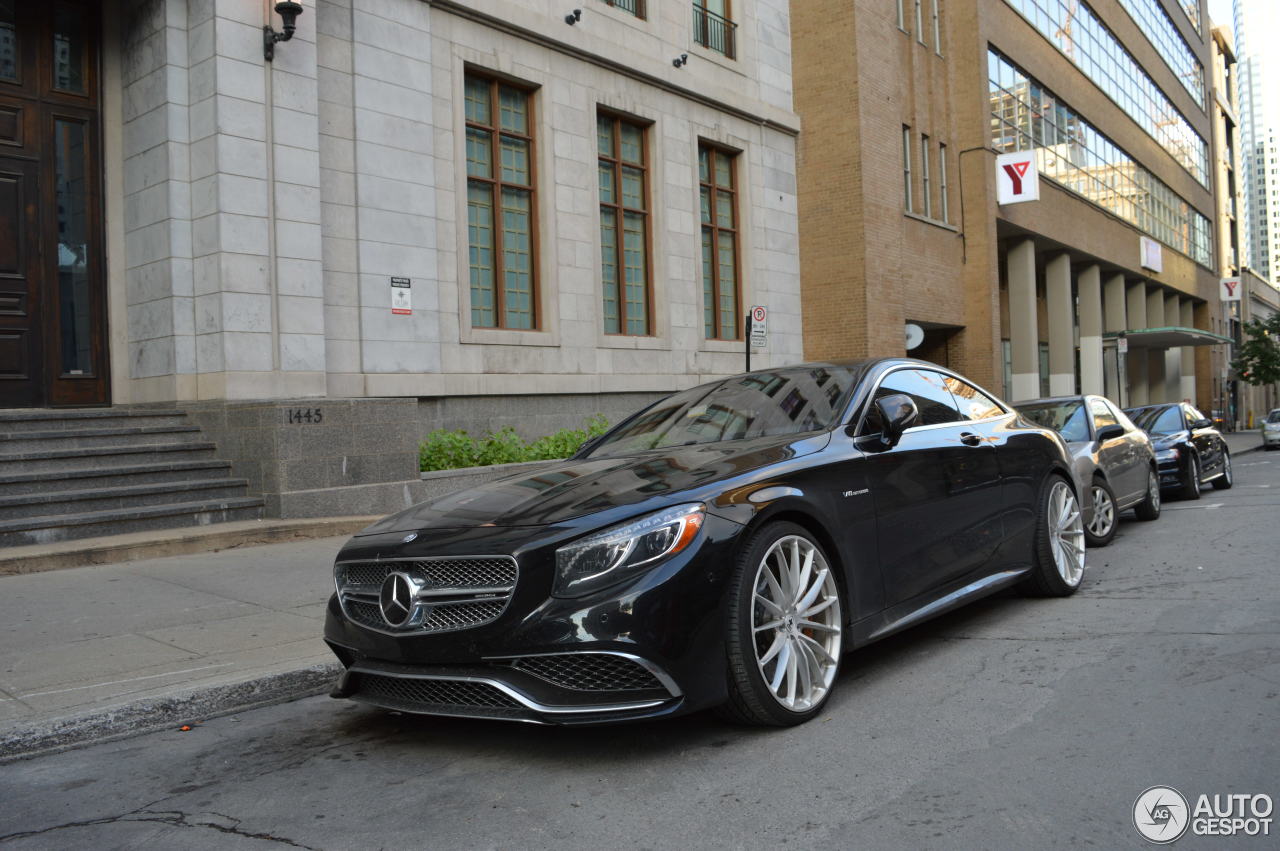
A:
(1230, 289)
(1017, 178)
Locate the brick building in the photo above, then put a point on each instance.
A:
(905, 108)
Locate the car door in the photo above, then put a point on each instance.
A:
(1205, 440)
(936, 493)
(1116, 456)
(1140, 453)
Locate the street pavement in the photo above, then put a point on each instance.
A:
(1014, 723)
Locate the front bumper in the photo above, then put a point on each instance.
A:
(649, 647)
(1270, 438)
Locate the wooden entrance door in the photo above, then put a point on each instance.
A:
(52, 282)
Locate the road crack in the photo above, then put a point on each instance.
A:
(174, 818)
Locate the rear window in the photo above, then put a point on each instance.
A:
(1166, 420)
(1067, 418)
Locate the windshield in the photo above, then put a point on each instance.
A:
(1274, 416)
(1164, 420)
(759, 404)
(1066, 418)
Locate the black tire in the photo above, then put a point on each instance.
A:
(1149, 508)
(1045, 580)
(1103, 497)
(1191, 478)
(750, 699)
(1227, 479)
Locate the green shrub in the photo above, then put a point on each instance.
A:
(449, 450)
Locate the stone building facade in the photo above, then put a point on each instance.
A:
(406, 202)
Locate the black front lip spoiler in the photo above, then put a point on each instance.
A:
(531, 708)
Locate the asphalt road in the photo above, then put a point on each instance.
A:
(1015, 723)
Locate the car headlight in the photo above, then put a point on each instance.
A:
(1168, 454)
(610, 556)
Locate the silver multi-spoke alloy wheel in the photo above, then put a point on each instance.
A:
(1066, 529)
(796, 623)
(1153, 488)
(1104, 512)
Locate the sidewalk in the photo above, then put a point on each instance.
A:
(1239, 442)
(93, 652)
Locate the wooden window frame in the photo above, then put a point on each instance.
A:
(620, 209)
(925, 176)
(496, 184)
(731, 155)
(908, 188)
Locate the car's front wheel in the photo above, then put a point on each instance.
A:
(1191, 481)
(1058, 558)
(1102, 529)
(785, 629)
(1149, 508)
(1226, 480)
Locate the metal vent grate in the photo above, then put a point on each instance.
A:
(432, 693)
(589, 672)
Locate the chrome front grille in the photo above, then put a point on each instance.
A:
(455, 593)
(589, 672)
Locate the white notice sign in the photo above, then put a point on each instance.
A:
(401, 296)
(759, 327)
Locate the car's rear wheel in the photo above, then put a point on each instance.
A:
(1191, 481)
(785, 629)
(1224, 481)
(1059, 544)
(1149, 508)
(1102, 528)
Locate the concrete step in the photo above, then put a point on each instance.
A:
(35, 442)
(15, 484)
(103, 498)
(102, 458)
(26, 419)
(117, 521)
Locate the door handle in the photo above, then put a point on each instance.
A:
(968, 438)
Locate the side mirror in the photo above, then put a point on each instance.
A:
(898, 413)
(1202, 423)
(1110, 432)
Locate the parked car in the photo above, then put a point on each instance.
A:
(722, 548)
(1271, 430)
(1189, 450)
(1112, 455)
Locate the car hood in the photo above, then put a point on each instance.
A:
(564, 491)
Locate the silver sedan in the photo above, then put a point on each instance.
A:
(1112, 456)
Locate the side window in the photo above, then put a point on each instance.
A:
(972, 402)
(1121, 417)
(1102, 415)
(926, 388)
(1193, 415)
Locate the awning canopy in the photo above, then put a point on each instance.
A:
(1167, 338)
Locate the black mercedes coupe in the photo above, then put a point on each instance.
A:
(724, 547)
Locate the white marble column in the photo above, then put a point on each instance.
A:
(1089, 294)
(1024, 340)
(1062, 326)
(1136, 313)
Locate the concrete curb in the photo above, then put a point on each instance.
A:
(172, 542)
(164, 712)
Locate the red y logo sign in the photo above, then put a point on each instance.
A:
(1231, 288)
(1016, 172)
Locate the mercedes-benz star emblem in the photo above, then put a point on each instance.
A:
(396, 599)
(412, 536)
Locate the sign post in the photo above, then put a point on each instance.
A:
(757, 330)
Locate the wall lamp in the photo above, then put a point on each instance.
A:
(681, 60)
(288, 12)
(573, 17)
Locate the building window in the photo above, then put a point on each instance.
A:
(500, 216)
(1160, 30)
(924, 175)
(720, 280)
(942, 183)
(635, 7)
(624, 225)
(937, 29)
(902, 16)
(919, 22)
(712, 27)
(906, 168)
